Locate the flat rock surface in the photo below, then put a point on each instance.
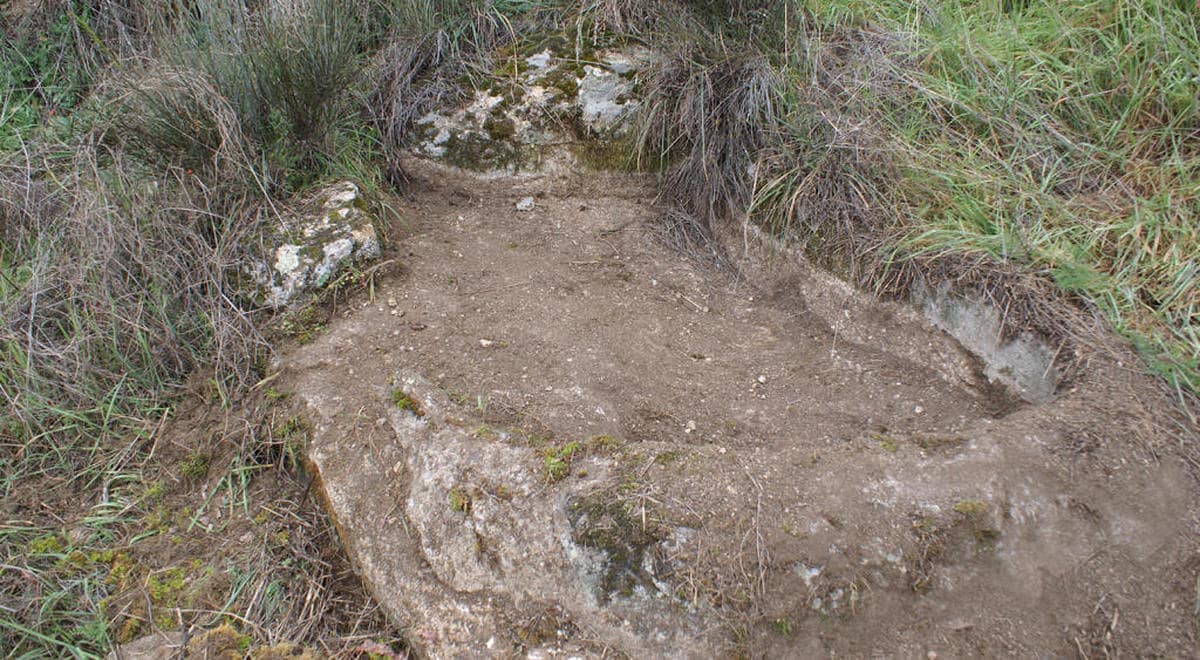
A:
(552, 433)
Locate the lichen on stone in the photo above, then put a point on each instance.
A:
(306, 250)
(603, 524)
(541, 94)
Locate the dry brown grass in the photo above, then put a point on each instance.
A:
(126, 283)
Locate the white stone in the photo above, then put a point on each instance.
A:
(600, 104)
(287, 258)
(603, 102)
(310, 248)
(339, 249)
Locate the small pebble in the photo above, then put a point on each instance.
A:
(486, 342)
(762, 380)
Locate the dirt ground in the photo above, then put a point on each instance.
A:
(815, 472)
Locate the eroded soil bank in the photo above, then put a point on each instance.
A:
(550, 431)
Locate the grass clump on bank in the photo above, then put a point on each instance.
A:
(1067, 145)
(1042, 155)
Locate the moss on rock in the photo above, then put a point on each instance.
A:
(603, 523)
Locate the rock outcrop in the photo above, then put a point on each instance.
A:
(308, 249)
(546, 101)
(457, 531)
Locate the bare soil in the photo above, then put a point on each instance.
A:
(827, 474)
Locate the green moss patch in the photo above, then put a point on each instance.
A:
(403, 401)
(556, 461)
(175, 588)
(603, 522)
(477, 152)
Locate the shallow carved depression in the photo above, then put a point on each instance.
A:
(552, 432)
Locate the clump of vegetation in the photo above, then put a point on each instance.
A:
(606, 155)
(556, 461)
(485, 432)
(224, 641)
(970, 508)
(941, 538)
(304, 324)
(604, 443)
(403, 401)
(667, 457)
(289, 441)
(939, 442)
(262, 100)
(167, 589)
(548, 625)
(886, 442)
(931, 545)
(460, 500)
(195, 466)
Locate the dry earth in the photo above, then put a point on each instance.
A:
(549, 433)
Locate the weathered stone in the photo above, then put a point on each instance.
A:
(307, 250)
(1024, 364)
(488, 134)
(603, 100)
(462, 537)
(515, 123)
(539, 60)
